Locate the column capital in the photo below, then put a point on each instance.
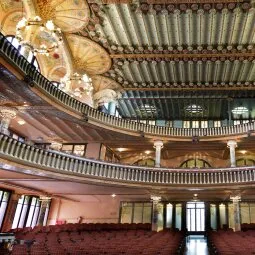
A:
(235, 199)
(45, 198)
(232, 143)
(158, 144)
(106, 96)
(155, 199)
(8, 112)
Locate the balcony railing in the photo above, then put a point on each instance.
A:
(8, 51)
(53, 161)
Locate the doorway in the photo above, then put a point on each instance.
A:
(195, 217)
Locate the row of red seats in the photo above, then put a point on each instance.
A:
(82, 227)
(246, 226)
(232, 243)
(109, 242)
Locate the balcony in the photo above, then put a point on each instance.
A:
(60, 99)
(29, 159)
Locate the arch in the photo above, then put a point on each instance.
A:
(31, 57)
(145, 162)
(195, 163)
(245, 162)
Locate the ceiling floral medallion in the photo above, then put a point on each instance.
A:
(88, 56)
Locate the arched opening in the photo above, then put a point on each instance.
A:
(245, 162)
(195, 163)
(30, 56)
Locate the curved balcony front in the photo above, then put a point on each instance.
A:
(21, 157)
(60, 99)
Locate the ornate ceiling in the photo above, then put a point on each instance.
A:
(159, 47)
(162, 54)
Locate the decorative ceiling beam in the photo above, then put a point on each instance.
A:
(183, 56)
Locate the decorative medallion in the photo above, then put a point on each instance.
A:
(88, 56)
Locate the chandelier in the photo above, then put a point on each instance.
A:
(25, 26)
(77, 85)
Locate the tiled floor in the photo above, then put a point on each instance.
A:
(196, 245)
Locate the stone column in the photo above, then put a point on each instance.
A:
(154, 223)
(112, 108)
(158, 145)
(7, 114)
(44, 211)
(237, 218)
(232, 144)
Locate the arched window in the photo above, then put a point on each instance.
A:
(195, 163)
(145, 162)
(245, 162)
(31, 57)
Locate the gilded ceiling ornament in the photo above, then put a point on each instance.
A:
(88, 56)
(47, 12)
(70, 16)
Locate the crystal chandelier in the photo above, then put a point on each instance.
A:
(26, 25)
(77, 85)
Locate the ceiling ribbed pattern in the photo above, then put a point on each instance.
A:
(124, 27)
(168, 47)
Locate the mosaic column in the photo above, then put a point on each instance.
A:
(44, 211)
(155, 212)
(237, 218)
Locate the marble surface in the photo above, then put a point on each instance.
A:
(196, 245)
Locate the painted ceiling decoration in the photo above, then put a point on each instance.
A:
(69, 15)
(156, 51)
(87, 55)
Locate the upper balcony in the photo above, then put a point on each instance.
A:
(50, 93)
(20, 157)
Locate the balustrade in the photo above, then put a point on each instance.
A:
(8, 51)
(28, 155)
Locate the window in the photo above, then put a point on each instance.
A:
(240, 110)
(169, 123)
(245, 162)
(30, 56)
(33, 212)
(204, 124)
(238, 122)
(4, 199)
(186, 124)
(76, 149)
(21, 211)
(136, 212)
(194, 108)
(195, 163)
(152, 122)
(195, 124)
(217, 123)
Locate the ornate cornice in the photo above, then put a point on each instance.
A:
(190, 6)
(182, 49)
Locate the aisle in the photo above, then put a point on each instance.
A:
(196, 245)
